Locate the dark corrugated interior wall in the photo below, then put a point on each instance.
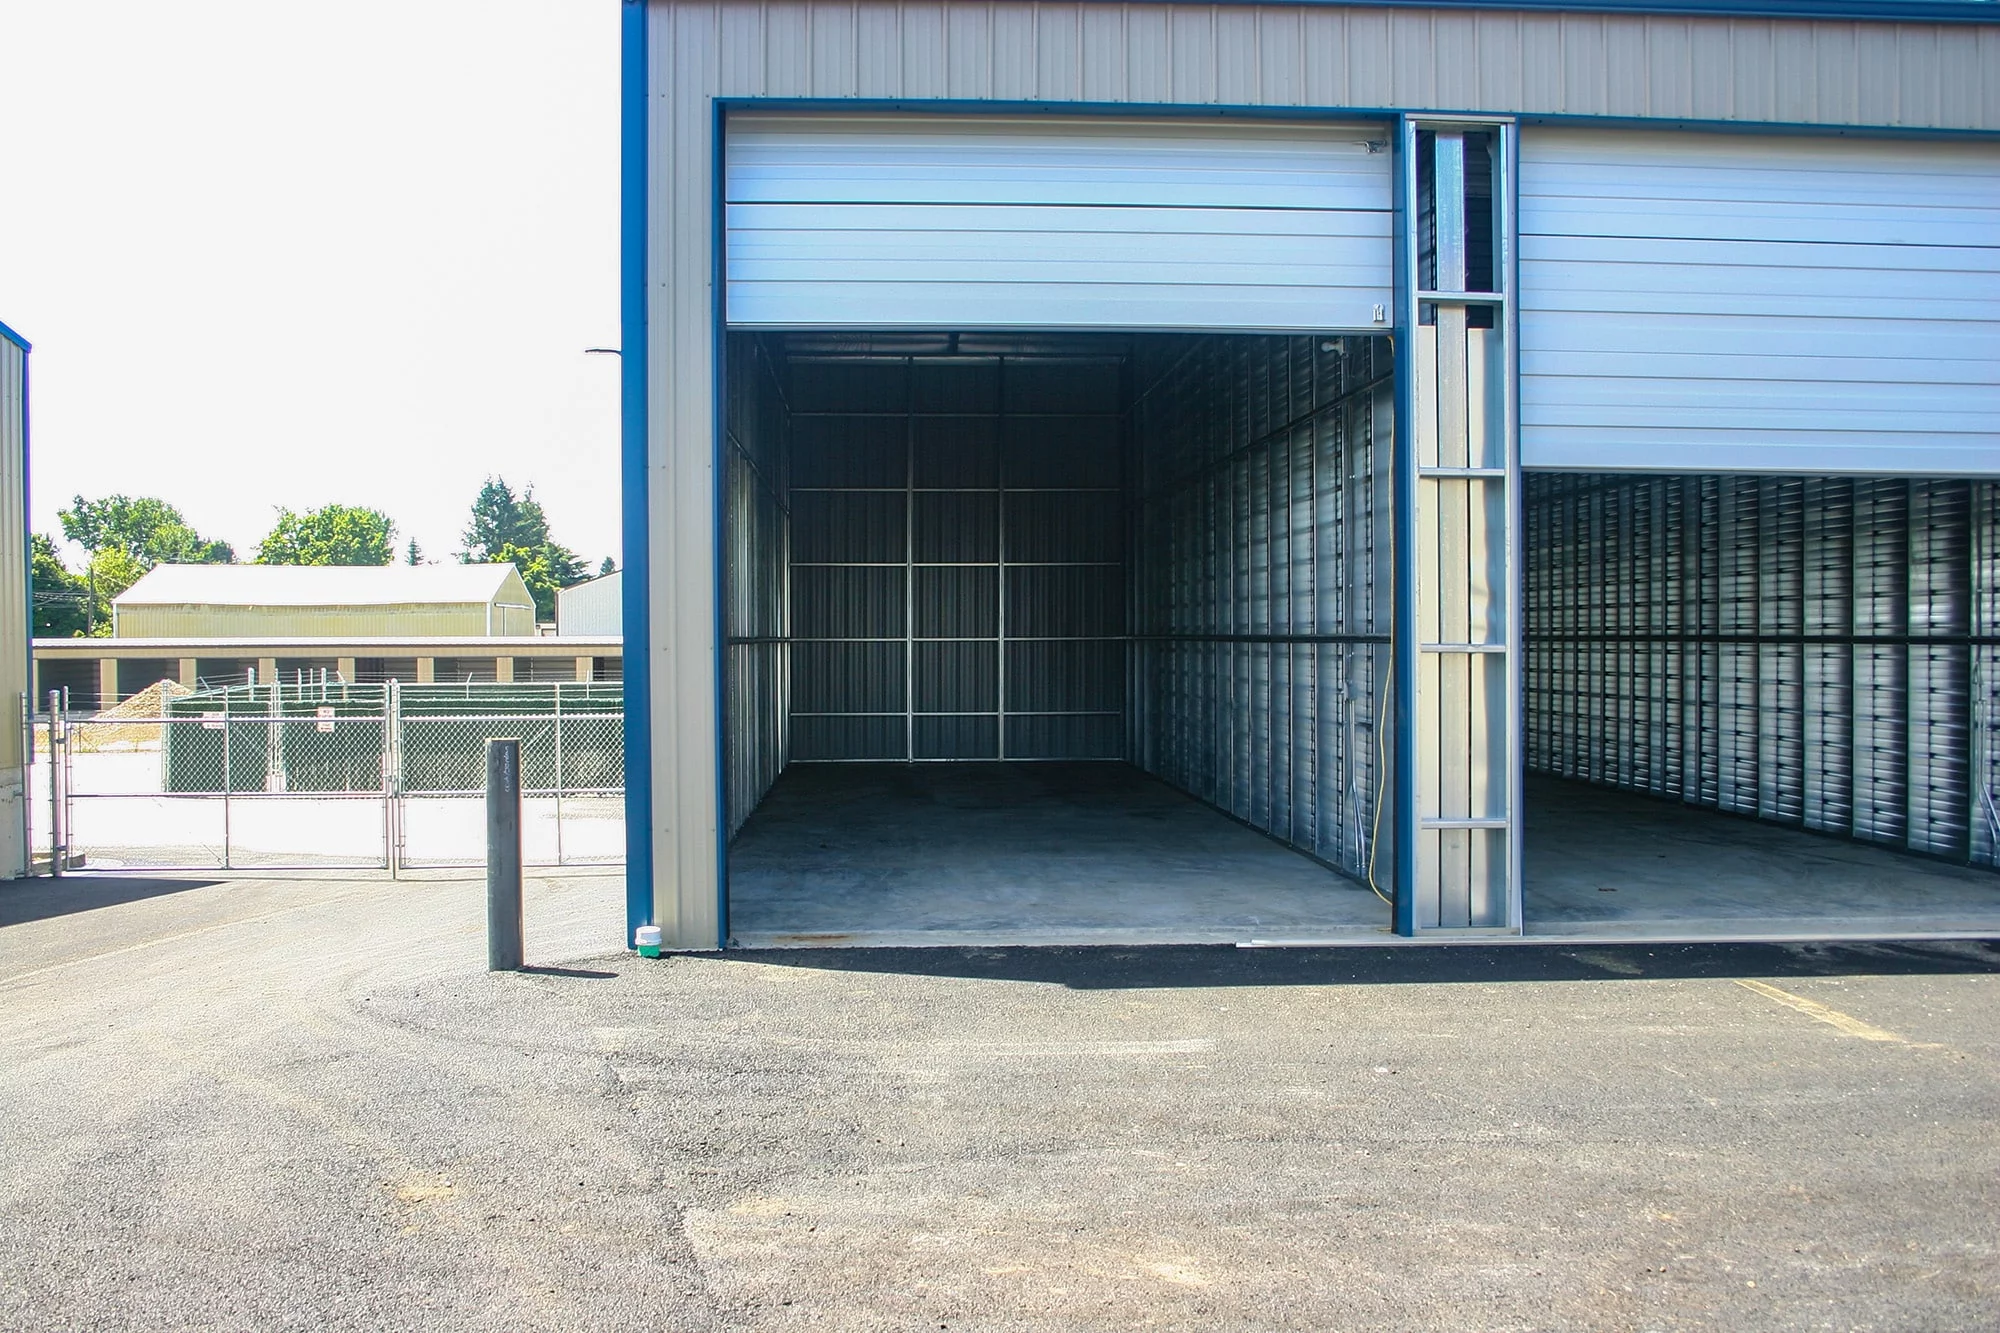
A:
(1813, 651)
(756, 535)
(957, 566)
(1264, 581)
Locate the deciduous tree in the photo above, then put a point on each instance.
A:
(334, 534)
(126, 536)
(61, 598)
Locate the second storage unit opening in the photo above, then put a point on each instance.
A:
(1810, 655)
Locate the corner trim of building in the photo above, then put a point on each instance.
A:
(1403, 489)
(719, 469)
(634, 152)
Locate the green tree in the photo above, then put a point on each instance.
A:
(111, 571)
(149, 530)
(334, 534)
(414, 554)
(127, 536)
(61, 599)
(510, 528)
(609, 566)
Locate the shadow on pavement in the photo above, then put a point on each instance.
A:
(1107, 967)
(578, 973)
(37, 899)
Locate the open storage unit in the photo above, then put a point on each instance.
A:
(1801, 653)
(1077, 579)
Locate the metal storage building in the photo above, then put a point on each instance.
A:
(324, 601)
(595, 606)
(16, 629)
(1144, 471)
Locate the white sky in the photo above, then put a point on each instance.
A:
(276, 254)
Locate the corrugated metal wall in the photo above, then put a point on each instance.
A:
(957, 563)
(757, 529)
(1669, 66)
(435, 620)
(596, 606)
(1264, 597)
(1813, 651)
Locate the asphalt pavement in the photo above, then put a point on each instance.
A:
(257, 1104)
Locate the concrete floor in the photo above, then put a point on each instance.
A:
(1020, 854)
(939, 854)
(1603, 863)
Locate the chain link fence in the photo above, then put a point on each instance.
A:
(329, 776)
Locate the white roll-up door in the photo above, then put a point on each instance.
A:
(1714, 302)
(893, 221)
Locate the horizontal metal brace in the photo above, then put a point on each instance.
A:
(1463, 298)
(1263, 638)
(1500, 823)
(1498, 473)
(1462, 647)
(1677, 638)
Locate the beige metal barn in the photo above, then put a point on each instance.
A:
(1155, 471)
(330, 602)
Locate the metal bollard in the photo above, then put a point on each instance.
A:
(504, 950)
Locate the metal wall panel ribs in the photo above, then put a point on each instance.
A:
(1816, 651)
(1262, 582)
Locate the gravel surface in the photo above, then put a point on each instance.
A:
(303, 1103)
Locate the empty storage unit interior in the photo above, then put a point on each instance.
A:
(1164, 520)
(1015, 618)
(1763, 582)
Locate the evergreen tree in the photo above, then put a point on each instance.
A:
(506, 528)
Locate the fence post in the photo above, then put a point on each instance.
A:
(228, 775)
(392, 799)
(504, 948)
(58, 853)
(559, 775)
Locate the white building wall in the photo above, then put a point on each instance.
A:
(596, 607)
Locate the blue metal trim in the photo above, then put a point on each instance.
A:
(633, 363)
(719, 469)
(1403, 491)
(15, 338)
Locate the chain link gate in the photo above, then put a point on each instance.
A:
(328, 776)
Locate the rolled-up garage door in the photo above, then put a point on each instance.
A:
(977, 222)
(1709, 302)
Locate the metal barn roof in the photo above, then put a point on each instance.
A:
(317, 585)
